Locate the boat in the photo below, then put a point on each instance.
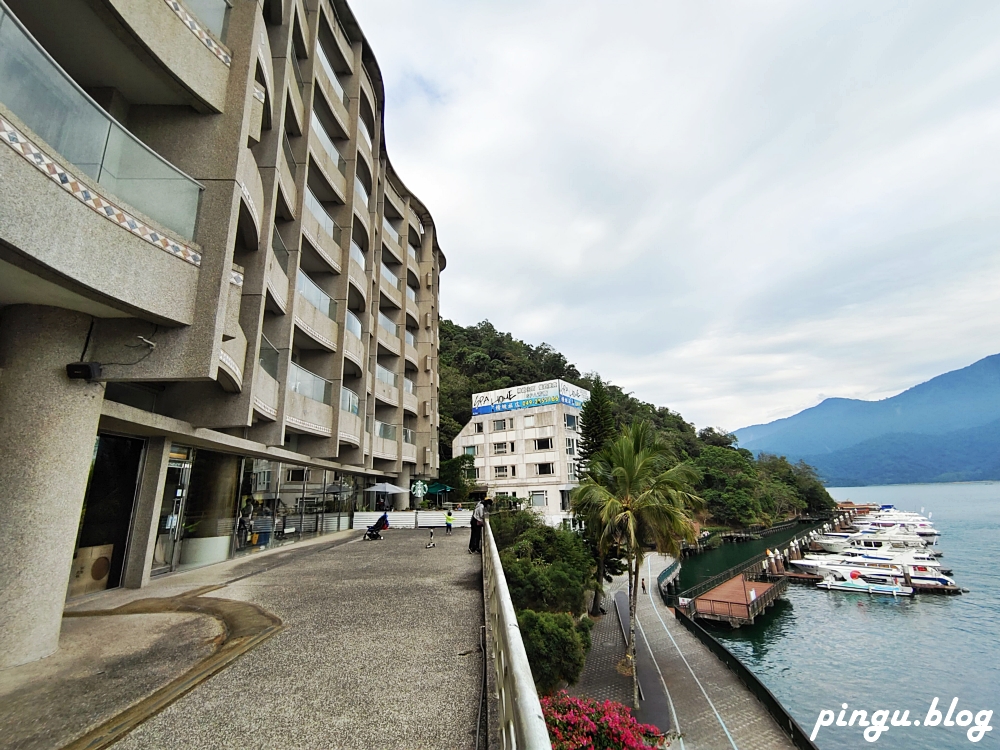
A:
(886, 571)
(862, 587)
(894, 539)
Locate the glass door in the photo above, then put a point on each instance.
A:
(175, 489)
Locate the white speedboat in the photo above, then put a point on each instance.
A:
(891, 572)
(871, 540)
(862, 587)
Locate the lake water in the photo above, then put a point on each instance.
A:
(818, 650)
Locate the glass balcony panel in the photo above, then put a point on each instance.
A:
(328, 146)
(411, 294)
(408, 386)
(412, 251)
(385, 431)
(214, 14)
(387, 324)
(317, 209)
(316, 297)
(52, 105)
(349, 400)
(359, 187)
(324, 61)
(268, 357)
(386, 376)
(357, 254)
(409, 436)
(353, 325)
(410, 338)
(363, 131)
(390, 229)
(389, 276)
(309, 384)
(286, 146)
(279, 250)
(300, 79)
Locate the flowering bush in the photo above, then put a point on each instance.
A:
(584, 724)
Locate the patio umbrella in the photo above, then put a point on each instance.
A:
(389, 489)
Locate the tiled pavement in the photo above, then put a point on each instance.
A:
(600, 679)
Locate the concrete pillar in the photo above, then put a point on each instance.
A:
(147, 513)
(401, 501)
(48, 425)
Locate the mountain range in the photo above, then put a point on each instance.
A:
(944, 430)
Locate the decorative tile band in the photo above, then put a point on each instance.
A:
(253, 206)
(315, 334)
(229, 362)
(207, 39)
(349, 437)
(279, 300)
(236, 278)
(311, 426)
(264, 408)
(90, 198)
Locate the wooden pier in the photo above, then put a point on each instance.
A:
(740, 599)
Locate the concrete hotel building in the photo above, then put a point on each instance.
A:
(525, 441)
(197, 212)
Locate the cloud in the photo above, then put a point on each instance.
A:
(729, 208)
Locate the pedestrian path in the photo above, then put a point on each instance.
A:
(713, 710)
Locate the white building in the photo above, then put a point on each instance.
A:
(525, 441)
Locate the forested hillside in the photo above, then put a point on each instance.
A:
(740, 489)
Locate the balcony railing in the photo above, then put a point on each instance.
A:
(359, 187)
(363, 132)
(521, 722)
(411, 293)
(349, 400)
(412, 252)
(300, 80)
(316, 297)
(309, 384)
(358, 255)
(390, 277)
(286, 146)
(385, 431)
(326, 221)
(409, 436)
(324, 61)
(387, 324)
(53, 106)
(214, 14)
(331, 150)
(409, 386)
(268, 357)
(352, 324)
(390, 229)
(410, 338)
(279, 250)
(386, 376)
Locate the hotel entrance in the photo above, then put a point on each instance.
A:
(166, 553)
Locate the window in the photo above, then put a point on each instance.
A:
(477, 427)
(297, 475)
(543, 444)
(566, 502)
(571, 422)
(500, 472)
(499, 424)
(529, 421)
(472, 472)
(544, 469)
(573, 471)
(538, 499)
(471, 450)
(570, 446)
(499, 448)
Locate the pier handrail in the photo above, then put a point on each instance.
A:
(522, 725)
(720, 578)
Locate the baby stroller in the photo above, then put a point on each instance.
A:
(374, 530)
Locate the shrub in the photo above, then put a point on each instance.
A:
(554, 648)
(584, 724)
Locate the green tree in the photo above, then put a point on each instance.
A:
(455, 473)
(554, 644)
(639, 495)
(598, 423)
(729, 485)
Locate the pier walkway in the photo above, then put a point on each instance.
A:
(334, 643)
(739, 600)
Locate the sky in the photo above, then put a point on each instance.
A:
(734, 209)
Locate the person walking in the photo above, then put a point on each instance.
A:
(479, 516)
(449, 519)
(643, 585)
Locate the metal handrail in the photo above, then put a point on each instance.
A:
(522, 724)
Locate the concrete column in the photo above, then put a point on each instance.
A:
(401, 501)
(147, 513)
(48, 425)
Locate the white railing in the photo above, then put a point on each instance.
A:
(522, 725)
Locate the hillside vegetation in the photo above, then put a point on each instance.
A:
(741, 489)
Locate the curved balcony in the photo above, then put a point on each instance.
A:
(388, 333)
(350, 420)
(409, 396)
(323, 233)
(391, 239)
(286, 173)
(327, 157)
(391, 286)
(354, 346)
(318, 317)
(277, 271)
(265, 395)
(385, 443)
(409, 446)
(386, 389)
(309, 397)
(356, 269)
(331, 87)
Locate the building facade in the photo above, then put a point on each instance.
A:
(525, 444)
(218, 300)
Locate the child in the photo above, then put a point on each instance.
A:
(449, 519)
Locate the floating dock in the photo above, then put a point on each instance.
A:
(739, 600)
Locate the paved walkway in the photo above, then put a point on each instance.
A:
(379, 647)
(713, 710)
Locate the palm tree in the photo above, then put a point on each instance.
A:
(638, 494)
